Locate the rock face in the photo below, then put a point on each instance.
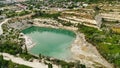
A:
(82, 18)
(111, 16)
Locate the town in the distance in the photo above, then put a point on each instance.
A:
(59, 33)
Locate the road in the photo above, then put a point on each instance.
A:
(19, 60)
(1, 30)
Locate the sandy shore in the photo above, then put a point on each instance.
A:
(28, 41)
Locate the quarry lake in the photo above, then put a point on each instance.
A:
(50, 41)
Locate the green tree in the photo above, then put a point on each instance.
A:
(40, 56)
(50, 65)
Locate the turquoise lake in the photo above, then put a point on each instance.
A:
(50, 42)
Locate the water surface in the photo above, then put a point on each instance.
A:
(50, 42)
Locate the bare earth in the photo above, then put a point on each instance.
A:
(87, 53)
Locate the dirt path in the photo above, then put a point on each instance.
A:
(1, 30)
(18, 60)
